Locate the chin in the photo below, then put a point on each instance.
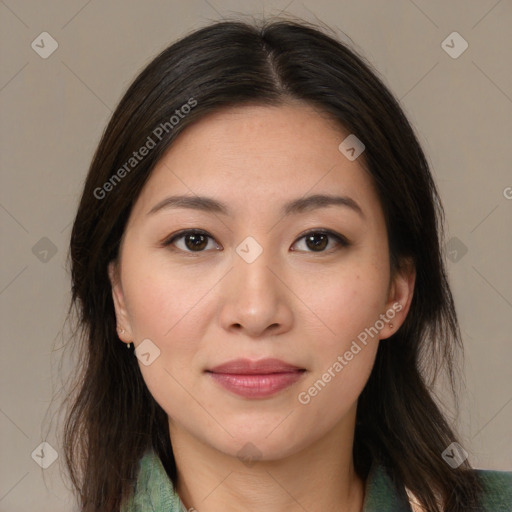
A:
(252, 445)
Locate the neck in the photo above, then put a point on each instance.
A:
(320, 477)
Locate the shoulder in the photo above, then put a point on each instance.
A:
(382, 494)
(497, 496)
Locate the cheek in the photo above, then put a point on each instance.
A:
(162, 301)
(165, 307)
(349, 311)
(333, 392)
(169, 308)
(349, 304)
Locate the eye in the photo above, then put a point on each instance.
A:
(196, 240)
(319, 239)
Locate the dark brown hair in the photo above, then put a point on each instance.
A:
(112, 418)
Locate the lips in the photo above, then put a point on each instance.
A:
(255, 379)
(248, 367)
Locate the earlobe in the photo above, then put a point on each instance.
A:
(400, 297)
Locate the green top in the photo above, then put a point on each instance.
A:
(154, 491)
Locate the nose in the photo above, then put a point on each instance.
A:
(256, 299)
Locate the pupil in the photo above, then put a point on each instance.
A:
(196, 242)
(317, 245)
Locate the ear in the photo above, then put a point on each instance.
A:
(401, 290)
(122, 317)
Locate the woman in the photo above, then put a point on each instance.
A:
(259, 226)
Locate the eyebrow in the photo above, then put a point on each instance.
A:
(296, 206)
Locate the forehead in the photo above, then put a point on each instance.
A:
(254, 157)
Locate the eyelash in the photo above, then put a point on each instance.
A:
(340, 239)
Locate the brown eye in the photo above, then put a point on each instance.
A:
(196, 241)
(317, 241)
(193, 240)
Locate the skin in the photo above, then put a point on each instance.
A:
(294, 303)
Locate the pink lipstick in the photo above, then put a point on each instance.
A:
(255, 379)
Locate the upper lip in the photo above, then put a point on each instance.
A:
(262, 366)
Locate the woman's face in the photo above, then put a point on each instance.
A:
(252, 286)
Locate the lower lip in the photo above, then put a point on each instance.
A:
(256, 386)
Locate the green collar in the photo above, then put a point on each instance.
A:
(154, 491)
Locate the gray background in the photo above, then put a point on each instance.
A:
(55, 109)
